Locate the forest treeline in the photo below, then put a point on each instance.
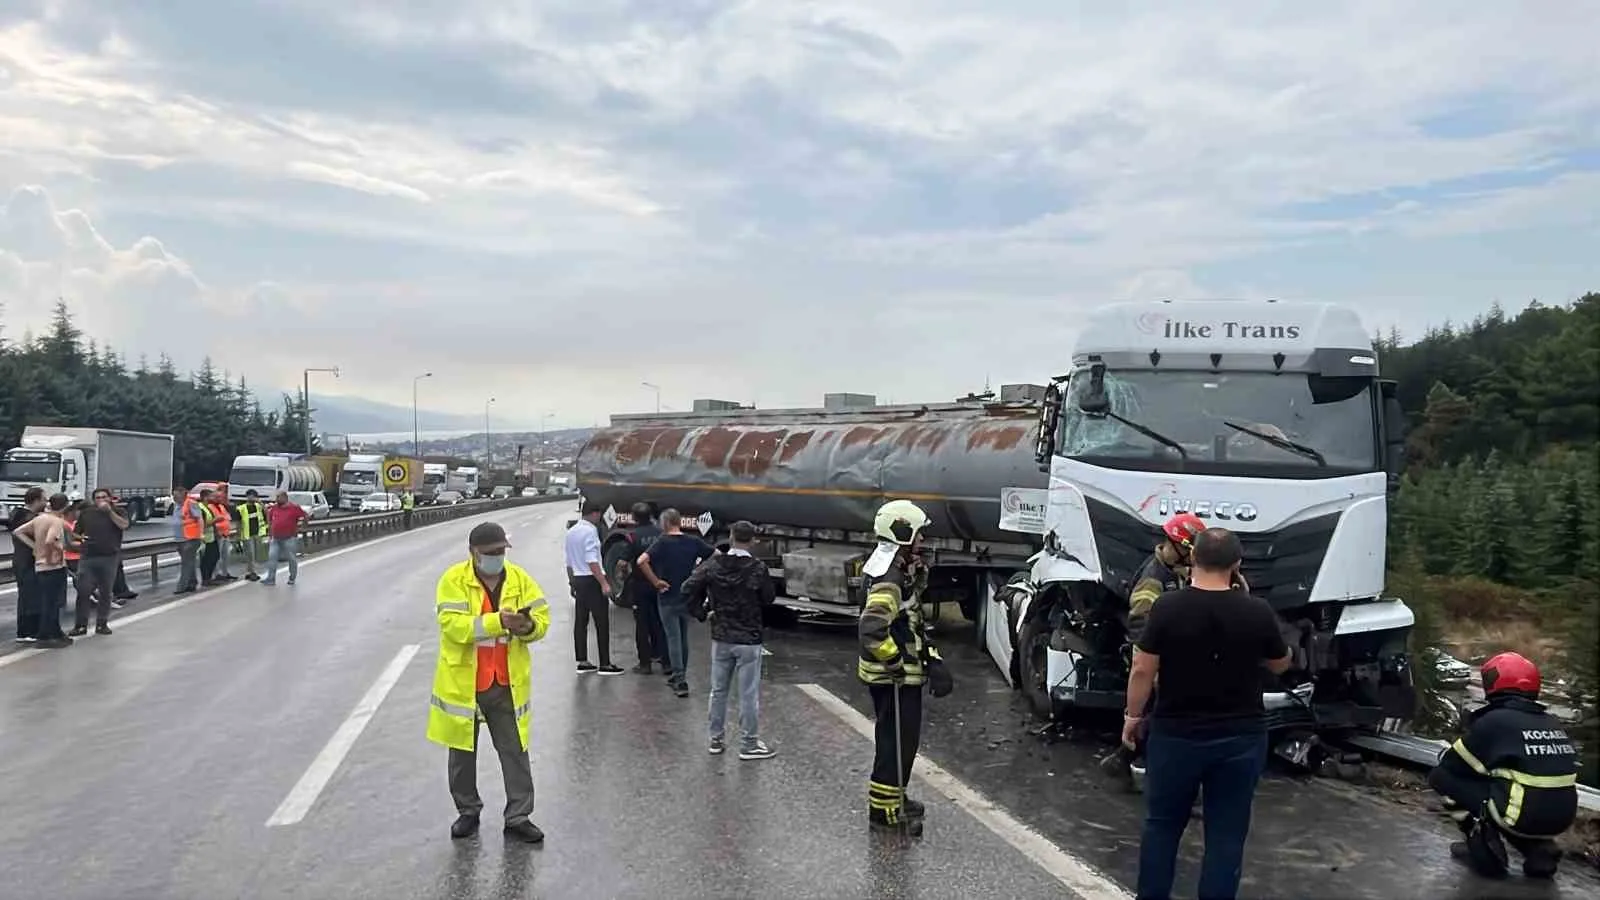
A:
(1497, 525)
(66, 378)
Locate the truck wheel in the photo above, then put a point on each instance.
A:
(1033, 666)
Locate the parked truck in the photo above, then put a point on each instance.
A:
(269, 473)
(363, 473)
(1267, 418)
(435, 478)
(135, 466)
(470, 485)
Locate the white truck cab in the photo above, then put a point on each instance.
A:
(362, 475)
(1263, 417)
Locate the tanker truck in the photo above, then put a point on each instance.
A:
(1266, 418)
(270, 473)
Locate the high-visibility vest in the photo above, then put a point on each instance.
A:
(466, 626)
(893, 631)
(252, 521)
(407, 501)
(224, 520)
(208, 513)
(193, 520)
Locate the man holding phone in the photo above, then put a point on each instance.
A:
(489, 611)
(101, 527)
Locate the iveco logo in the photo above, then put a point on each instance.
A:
(1206, 509)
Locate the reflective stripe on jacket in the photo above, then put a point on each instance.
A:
(252, 521)
(892, 631)
(465, 625)
(208, 518)
(1530, 761)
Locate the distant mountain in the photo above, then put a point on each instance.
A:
(337, 414)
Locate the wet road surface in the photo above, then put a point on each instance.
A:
(149, 763)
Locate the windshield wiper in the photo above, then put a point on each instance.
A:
(1150, 433)
(1281, 443)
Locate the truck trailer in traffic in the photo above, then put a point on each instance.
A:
(435, 478)
(136, 466)
(269, 473)
(1267, 418)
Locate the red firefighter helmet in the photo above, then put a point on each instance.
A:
(1510, 672)
(1182, 528)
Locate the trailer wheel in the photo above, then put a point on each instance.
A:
(1033, 665)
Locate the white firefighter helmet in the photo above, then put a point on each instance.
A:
(896, 525)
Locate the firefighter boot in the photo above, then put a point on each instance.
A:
(888, 810)
(1483, 850)
(1540, 858)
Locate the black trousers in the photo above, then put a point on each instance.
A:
(27, 598)
(209, 554)
(592, 603)
(908, 730)
(95, 576)
(52, 587)
(1470, 794)
(649, 637)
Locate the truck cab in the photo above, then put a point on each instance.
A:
(1266, 418)
(56, 471)
(362, 475)
(435, 478)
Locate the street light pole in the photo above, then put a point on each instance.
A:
(543, 419)
(658, 393)
(305, 397)
(488, 445)
(416, 434)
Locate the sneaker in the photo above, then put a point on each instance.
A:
(119, 603)
(527, 832)
(644, 668)
(717, 746)
(77, 632)
(130, 595)
(681, 689)
(610, 670)
(585, 667)
(102, 630)
(291, 582)
(252, 577)
(266, 582)
(757, 750)
(27, 640)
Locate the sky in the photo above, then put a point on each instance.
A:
(552, 203)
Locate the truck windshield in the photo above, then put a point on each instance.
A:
(432, 478)
(1212, 415)
(254, 477)
(357, 477)
(30, 471)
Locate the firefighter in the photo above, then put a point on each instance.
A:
(1513, 775)
(897, 659)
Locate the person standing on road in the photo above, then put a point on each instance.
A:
(188, 528)
(208, 538)
(22, 566)
(101, 527)
(733, 590)
(489, 611)
(1208, 732)
(224, 523)
(667, 565)
(408, 502)
(252, 532)
(590, 590)
(283, 537)
(896, 660)
(45, 535)
(649, 640)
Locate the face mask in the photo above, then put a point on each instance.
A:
(491, 565)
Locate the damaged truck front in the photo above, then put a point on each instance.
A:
(1266, 418)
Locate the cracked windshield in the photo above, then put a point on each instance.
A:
(730, 450)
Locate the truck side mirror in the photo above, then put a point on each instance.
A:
(1049, 415)
(1394, 433)
(1094, 401)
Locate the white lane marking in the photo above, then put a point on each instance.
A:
(19, 656)
(765, 652)
(309, 787)
(1082, 879)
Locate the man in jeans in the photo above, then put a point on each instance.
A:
(101, 527)
(1208, 733)
(283, 535)
(733, 590)
(45, 535)
(667, 565)
(188, 524)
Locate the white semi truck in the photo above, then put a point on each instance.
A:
(469, 480)
(435, 478)
(1268, 418)
(269, 473)
(135, 466)
(362, 475)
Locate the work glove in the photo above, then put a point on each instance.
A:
(940, 684)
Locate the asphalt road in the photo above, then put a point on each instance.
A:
(149, 764)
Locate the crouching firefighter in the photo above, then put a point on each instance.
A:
(897, 659)
(1513, 775)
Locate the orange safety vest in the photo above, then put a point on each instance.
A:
(494, 665)
(193, 523)
(224, 520)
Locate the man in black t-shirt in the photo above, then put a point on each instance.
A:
(1208, 731)
(101, 527)
(667, 565)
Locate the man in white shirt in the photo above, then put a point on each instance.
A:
(590, 589)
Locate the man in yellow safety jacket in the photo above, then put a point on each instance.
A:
(896, 660)
(489, 611)
(252, 532)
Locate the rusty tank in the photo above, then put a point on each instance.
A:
(821, 469)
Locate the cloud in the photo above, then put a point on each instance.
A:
(552, 202)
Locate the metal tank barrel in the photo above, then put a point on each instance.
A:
(821, 470)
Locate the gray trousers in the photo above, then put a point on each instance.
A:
(95, 576)
(499, 711)
(188, 562)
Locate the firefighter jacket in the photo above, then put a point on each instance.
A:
(894, 635)
(1155, 577)
(469, 622)
(1529, 760)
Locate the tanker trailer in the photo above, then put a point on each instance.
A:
(812, 479)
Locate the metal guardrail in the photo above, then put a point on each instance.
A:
(1424, 752)
(327, 533)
